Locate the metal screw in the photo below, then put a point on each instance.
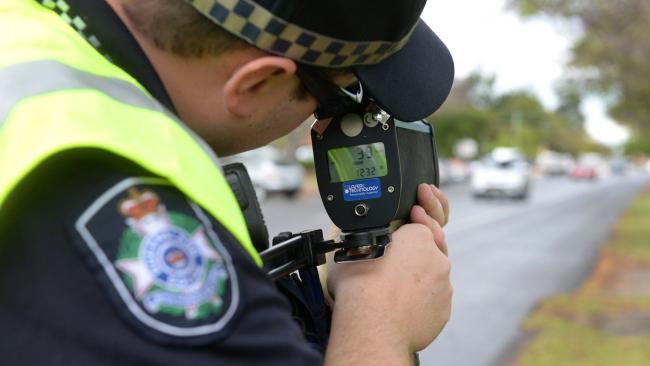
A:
(382, 116)
(330, 198)
(369, 120)
(391, 189)
(385, 126)
(319, 137)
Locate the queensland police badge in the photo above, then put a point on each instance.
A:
(161, 260)
(167, 260)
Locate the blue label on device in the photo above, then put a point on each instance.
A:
(360, 190)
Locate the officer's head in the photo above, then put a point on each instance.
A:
(244, 72)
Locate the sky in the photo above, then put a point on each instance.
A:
(523, 54)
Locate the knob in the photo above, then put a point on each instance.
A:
(361, 210)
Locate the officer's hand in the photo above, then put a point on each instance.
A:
(432, 212)
(430, 199)
(385, 310)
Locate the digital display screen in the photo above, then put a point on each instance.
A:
(357, 162)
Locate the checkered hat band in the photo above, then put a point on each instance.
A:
(261, 28)
(63, 9)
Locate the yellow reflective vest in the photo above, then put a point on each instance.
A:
(57, 93)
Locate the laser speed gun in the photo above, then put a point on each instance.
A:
(368, 167)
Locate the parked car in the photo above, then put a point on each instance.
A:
(443, 172)
(269, 172)
(619, 166)
(553, 163)
(459, 171)
(582, 171)
(503, 173)
(305, 155)
(589, 166)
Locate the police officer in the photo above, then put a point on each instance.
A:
(120, 241)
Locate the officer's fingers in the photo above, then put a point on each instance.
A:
(322, 274)
(431, 204)
(420, 216)
(444, 201)
(441, 239)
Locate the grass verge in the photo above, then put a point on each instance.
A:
(607, 321)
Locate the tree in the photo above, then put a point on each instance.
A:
(518, 119)
(613, 50)
(453, 125)
(569, 106)
(639, 144)
(466, 114)
(522, 120)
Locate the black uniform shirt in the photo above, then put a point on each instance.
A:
(103, 263)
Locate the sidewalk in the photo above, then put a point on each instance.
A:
(607, 321)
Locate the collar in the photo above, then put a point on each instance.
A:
(98, 23)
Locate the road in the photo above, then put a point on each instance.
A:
(506, 256)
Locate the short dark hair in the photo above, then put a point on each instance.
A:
(176, 27)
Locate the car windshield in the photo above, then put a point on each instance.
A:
(506, 164)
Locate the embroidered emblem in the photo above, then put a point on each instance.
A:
(161, 261)
(168, 261)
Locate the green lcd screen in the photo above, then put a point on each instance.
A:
(357, 162)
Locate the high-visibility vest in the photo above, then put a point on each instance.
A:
(57, 93)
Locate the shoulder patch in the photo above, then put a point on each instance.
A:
(161, 261)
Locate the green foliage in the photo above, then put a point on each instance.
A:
(613, 50)
(458, 124)
(639, 144)
(566, 343)
(570, 103)
(515, 119)
(633, 231)
(480, 89)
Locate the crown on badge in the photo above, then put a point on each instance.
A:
(139, 205)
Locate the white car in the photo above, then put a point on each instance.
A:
(269, 172)
(459, 171)
(553, 163)
(504, 173)
(443, 172)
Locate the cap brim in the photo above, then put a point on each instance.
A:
(414, 82)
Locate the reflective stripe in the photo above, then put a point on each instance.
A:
(160, 142)
(25, 80)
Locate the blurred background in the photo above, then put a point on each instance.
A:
(544, 146)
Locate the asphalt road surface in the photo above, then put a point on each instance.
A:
(506, 256)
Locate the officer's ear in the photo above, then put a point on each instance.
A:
(259, 84)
